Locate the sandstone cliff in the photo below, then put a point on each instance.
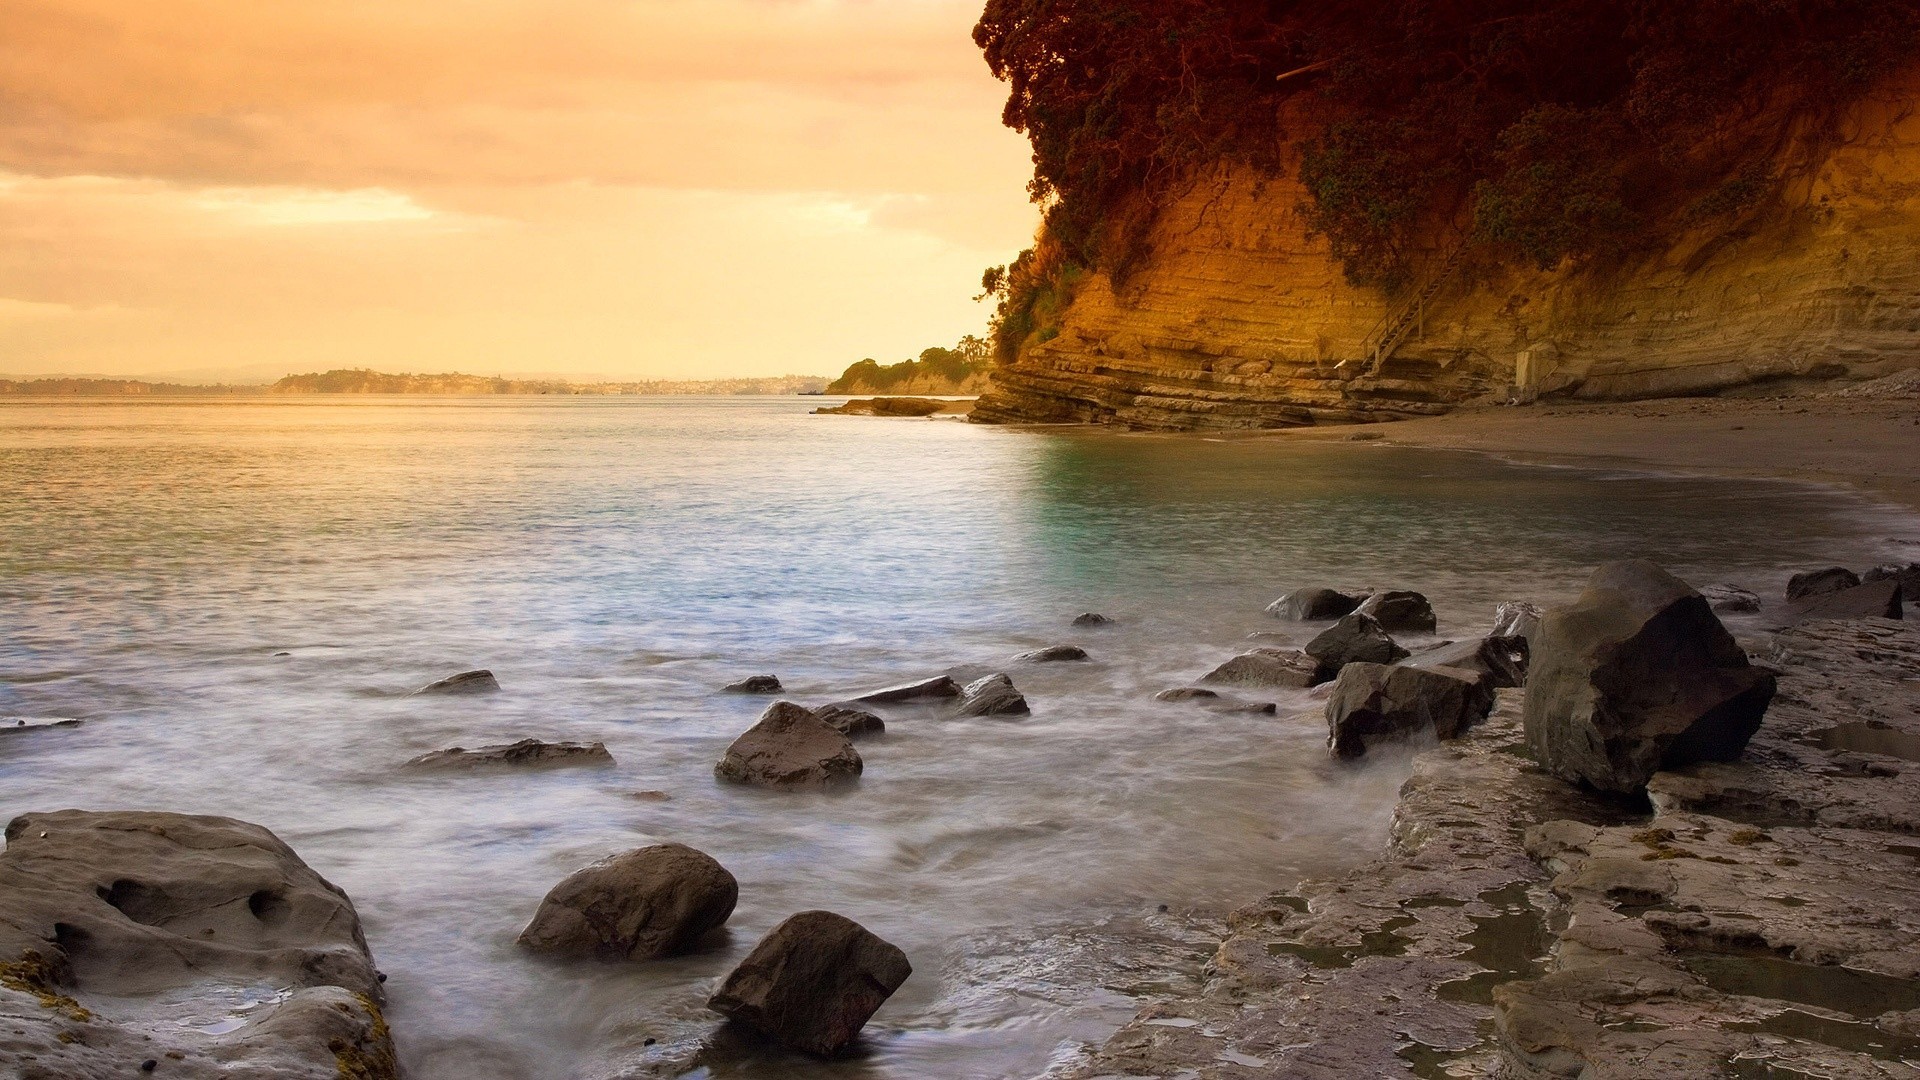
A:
(1239, 318)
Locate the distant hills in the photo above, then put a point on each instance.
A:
(363, 381)
(956, 371)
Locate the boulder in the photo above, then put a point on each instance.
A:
(467, 682)
(1053, 654)
(1187, 693)
(754, 684)
(1213, 702)
(1289, 668)
(927, 689)
(1500, 661)
(525, 754)
(1400, 612)
(1816, 582)
(849, 721)
(99, 908)
(790, 748)
(1091, 618)
(1876, 600)
(992, 696)
(1730, 599)
(1311, 605)
(1907, 574)
(1516, 618)
(813, 982)
(1635, 676)
(1355, 639)
(648, 903)
(1372, 703)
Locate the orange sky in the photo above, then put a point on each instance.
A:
(634, 188)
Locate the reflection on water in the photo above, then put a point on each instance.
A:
(235, 596)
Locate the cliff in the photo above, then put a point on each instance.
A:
(1239, 317)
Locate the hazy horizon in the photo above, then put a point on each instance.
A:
(658, 190)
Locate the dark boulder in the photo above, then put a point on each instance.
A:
(1400, 612)
(1311, 605)
(754, 684)
(525, 754)
(651, 902)
(790, 748)
(1907, 574)
(1355, 639)
(1816, 582)
(1373, 703)
(927, 689)
(467, 682)
(993, 695)
(1251, 708)
(1053, 654)
(1288, 668)
(849, 721)
(1635, 676)
(813, 982)
(1187, 693)
(1875, 600)
(1730, 599)
(1501, 661)
(1091, 618)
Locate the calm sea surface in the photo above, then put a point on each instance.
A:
(236, 597)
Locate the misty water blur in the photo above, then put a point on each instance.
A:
(236, 596)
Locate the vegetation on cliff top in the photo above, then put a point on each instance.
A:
(1541, 130)
(957, 370)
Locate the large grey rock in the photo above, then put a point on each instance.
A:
(941, 686)
(1907, 574)
(993, 695)
(525, 754)
(1876, 600)
(1730, 599)
(1268, 667)
(1400, 612)
(647, 903)
(1311, 605)
(1355, 639)
(754, 684)
(1816, 582)
(790, 748)
(1501, 661)
(813, 982)
(1053, 654)
(467, 682)
(853, 723)
(1372, 703)
(1635, 676)
(98, 909)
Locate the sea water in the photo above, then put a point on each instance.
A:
(236, 597)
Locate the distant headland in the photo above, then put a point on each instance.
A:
(363, 381)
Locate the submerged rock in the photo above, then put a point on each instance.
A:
(993, 695)
(467, 682)
(525, 754)
(1400, 612)
(849, 721)
(1501, 661)
(1816, 582)
(96, 908)
(754, 684)
(1355, 639)
(1730, 599)
(1213, 702)
(1876, 600)
(1091, 618)
(1635, 676)
(1313, 605)
(1053, 654)
(790, 748)
(647, 903)
(1372, 703)
(1289, 668)
(813, 982)
(927, 689)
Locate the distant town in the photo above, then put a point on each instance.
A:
(362, 381)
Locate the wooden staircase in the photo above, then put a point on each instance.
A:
(1409, 315)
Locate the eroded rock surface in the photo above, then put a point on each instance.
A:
(813, 982)
(790, 748)
(643, 904)
(1374, 703)
(1502, 661)
(1288, 668)
(97, 909)
(994, 695)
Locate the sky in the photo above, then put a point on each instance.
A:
(636, 189)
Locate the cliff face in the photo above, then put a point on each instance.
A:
(1238, 318)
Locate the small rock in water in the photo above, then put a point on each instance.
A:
(1310, 605)
(1516, 618)
(30, 723)
(1372, 703)
(1400, 612)
(1288, 668)
(753, 684)
(647, 903)
(1356, 638)
(1091, 618)
(1730, 598)
(1876, 600)
(1187, 693)
(813, 982)
(467, 682)
(1253, 708)
(527, 753)
(790, 748)
(849, 721)
(1052, 654)
(1635, 676)
(938, 687)
(1817, 582)
(994, 695)
(1501, 661)
(649, 796)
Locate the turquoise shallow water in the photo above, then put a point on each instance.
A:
(614, 561)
